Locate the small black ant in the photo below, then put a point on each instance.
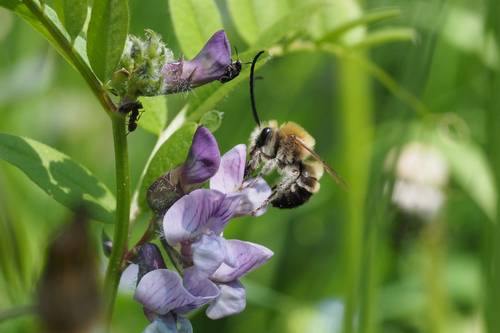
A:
(132, 109)
(232, 70)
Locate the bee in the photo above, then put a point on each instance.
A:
(289, 149)
(134, 113)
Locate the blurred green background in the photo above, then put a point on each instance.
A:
(411, 245)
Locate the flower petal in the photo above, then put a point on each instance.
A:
(211, 62)
(162, 324)
(229, 177)
(232, 300)
(161, 291)
(201, 211)
(149, 258)
(198, 284)
(246, 257)
(255, 192)
(203, 158)
(208, 253)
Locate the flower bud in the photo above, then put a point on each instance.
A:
(149, 258)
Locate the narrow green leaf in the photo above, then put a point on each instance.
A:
(108, 29)
(384, 36)
(368, 18)
(72, 15)
(212, 120)
(155, 114)
(470, 168)
(194, 21)
(171, 154)
(59, 176)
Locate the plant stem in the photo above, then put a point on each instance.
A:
(357, 125)
(120, 236)
(74, 58)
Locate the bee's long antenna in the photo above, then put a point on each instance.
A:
(252, 94)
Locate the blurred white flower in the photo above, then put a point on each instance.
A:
(421, 174)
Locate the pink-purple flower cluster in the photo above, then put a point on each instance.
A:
(192, 227)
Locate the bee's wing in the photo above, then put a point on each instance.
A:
(338, 179)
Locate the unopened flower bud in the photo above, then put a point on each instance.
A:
(149, 258)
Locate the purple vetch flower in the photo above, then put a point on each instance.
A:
(195, 223)
(208, 65)
(202, 162)
(229, 179)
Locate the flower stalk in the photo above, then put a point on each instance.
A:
(120, 236)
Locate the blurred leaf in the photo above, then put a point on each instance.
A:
(470, 168)
(32, 15)
(59, 176)
(171, 154)
(108, 29)
(72, 15)
(372, 17)
(155, 114)
(290, 23)
(212, 120)
(384, 36)
(195, 21)
(250, 21)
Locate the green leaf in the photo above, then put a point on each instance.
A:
(155, 114)
(286, 25)
(59, 176)
(171, 154)
(384, 36)
(72, 15)
(195, 21)
(250, 21)
(368, 18)
(212, 120)
(108, 29)
(469, 167)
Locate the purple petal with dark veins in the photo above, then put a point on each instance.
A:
(232, 300)
(255, 192)
(201, 211)
(198, 284)
(246, 257)
(162, 291)
(208, 253)
(203, 158)
(229, 177)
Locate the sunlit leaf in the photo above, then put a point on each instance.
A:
(366, 19)
(194, 23)
(251, 20)
(384, 36)
(108, 29)
(59, 176)
(72, 15)
(286, 25)
(171, 154)
(154, 117)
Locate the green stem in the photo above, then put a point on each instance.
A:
(72, 56)
(357, 125)
(120, 236)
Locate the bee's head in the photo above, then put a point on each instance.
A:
(264, 137)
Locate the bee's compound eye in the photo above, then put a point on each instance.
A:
(264, 137)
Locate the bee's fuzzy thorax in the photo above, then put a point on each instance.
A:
(291, 128)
